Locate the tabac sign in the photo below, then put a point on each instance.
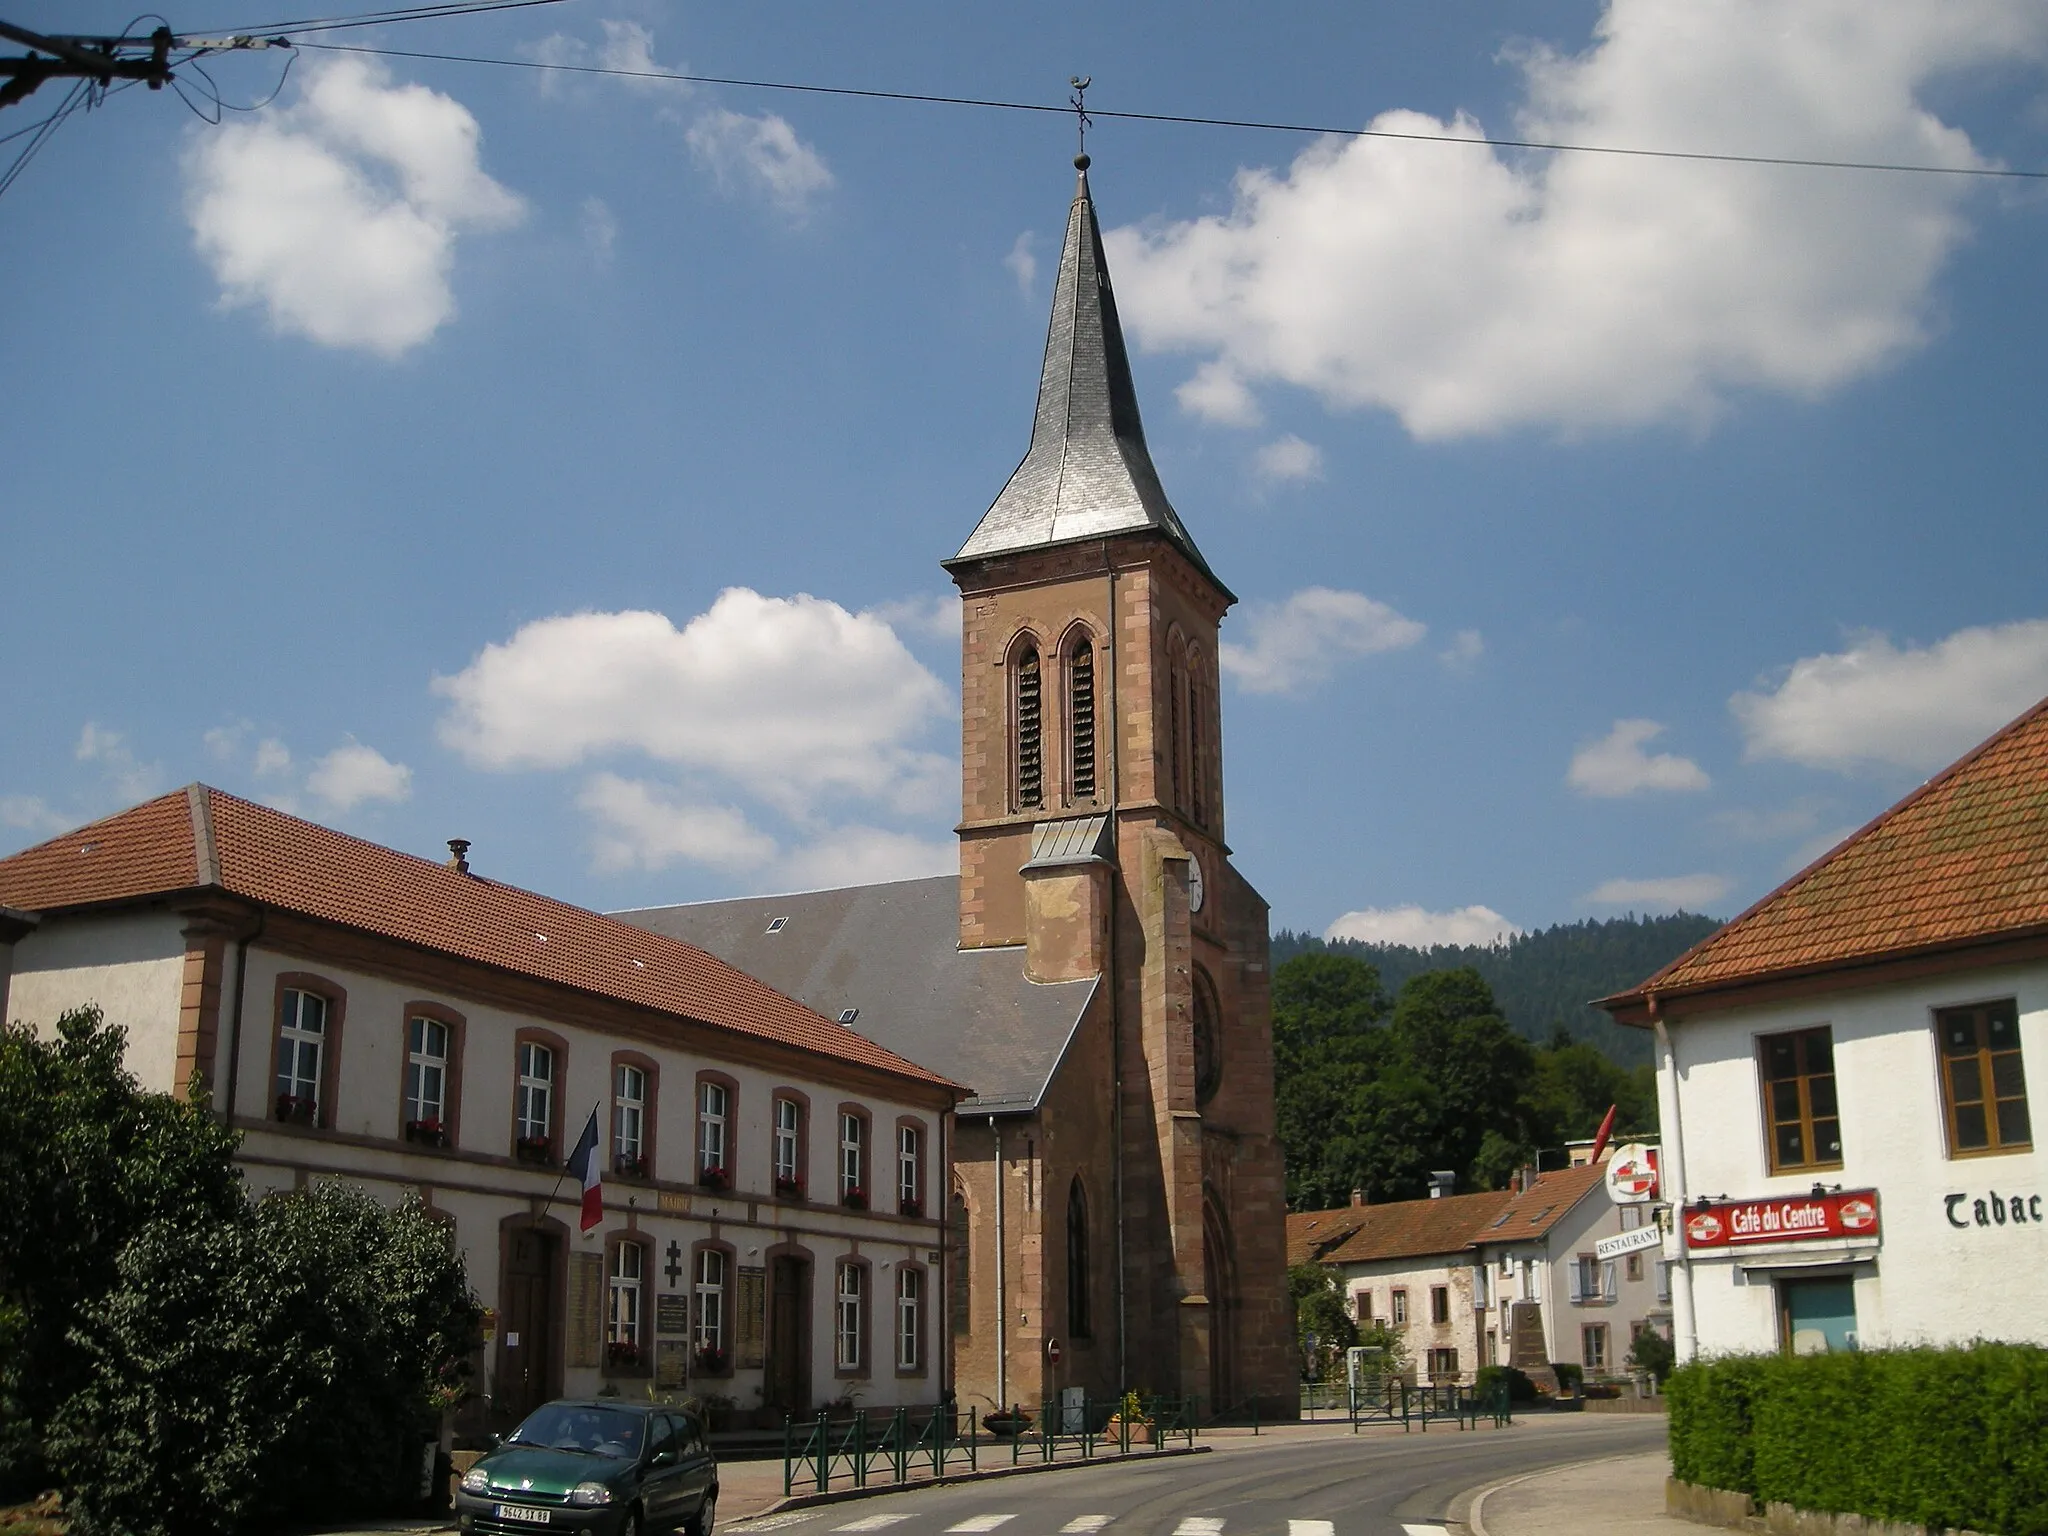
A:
(1788, 1219)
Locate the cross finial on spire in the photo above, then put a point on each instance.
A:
(1082, 121)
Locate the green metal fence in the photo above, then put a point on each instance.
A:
(1392, 1400)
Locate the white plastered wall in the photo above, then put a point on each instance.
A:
(1929, 1280)
(132, 965)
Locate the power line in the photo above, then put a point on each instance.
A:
(1802, 161)
(379, 18)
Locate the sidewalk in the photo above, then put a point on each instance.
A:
(1617, 1496)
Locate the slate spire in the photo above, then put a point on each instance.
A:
(1088, 472)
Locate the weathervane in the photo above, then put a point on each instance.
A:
(1082, 121)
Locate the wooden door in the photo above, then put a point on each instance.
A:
(526, 1328)
(789, 1356)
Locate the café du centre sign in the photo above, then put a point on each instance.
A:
(1781, 1219)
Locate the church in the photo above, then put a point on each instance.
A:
(1097, 971)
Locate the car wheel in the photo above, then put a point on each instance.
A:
(699, 1524)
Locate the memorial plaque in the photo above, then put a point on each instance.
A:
(750, 1325)
(671, 1364)
(672, 1314)
(1527, 1350)
(586, 1308)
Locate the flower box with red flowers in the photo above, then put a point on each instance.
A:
(789, 1186)
(713, 1177)
(712, 1361)
(622, 1354)
(428, 1133)
(854, 1198)
(296, 1109)
(627, 1166)
(535, 1149)
(911, 1206)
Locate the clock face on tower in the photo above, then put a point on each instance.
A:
(1196, 890)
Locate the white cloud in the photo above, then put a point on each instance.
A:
(1617, 765)
(1692, 892)
(1770, 826)
(1023, 263)
(763, 153)
(353, 773)
(272, 757)
(1217, 393)
(1464, 652)
(600, 230)
(33, 814)
(1421, 928)
(1471, 290)
(339, 215)
(128, 779)
(643, 826)
(789, 698)
(935, 616)
(1289, 458)
(1293, 644)
(864, 856)
(1911, 707)
(1814, 847)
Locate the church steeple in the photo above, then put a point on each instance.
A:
(1087, 473)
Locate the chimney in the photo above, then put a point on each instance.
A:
(1441, 1182)
(1358, 1197)
(1525, 1178)
(458, 855)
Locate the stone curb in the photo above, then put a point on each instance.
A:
(1474, 1511)
(1022, 1469)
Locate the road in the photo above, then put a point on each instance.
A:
(1297, 1482)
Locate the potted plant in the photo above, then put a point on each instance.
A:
(712, 1361)
(295, 1108)
(539, 1150)
(1006, 1423)
(628, 1165)
(427, 1133)
(1132, 1419)
(854, 1198)
(911, 1206)
(716, 1409)
(712, 1176)
(622, 1355)
(789, 1186)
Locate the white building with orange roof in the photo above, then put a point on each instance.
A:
(770, 1227)
(1843, 1076)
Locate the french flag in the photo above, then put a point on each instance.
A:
(588, 1168)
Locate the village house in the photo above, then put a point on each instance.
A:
(1842, 1069)
(769, 1231)
(1508, 1277)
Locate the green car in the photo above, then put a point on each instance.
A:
(599, 1465)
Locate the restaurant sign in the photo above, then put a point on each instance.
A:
(1787, 1219)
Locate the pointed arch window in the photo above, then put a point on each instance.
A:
(1077, 1261)
(1027, 706)
(1081, 717)
(1198, 799)
(1176, 721)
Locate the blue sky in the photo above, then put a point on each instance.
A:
(563, 462)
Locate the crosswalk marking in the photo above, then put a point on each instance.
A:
(979, 1523)
(1080, 1525)
(871, 1523)
(772, 1522)
(1199, 1525)
(1311, 1528)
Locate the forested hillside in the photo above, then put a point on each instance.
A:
(1542, 982)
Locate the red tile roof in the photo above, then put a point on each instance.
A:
(1533, 1212)
(1962, 859)
(1399, 1229)
(162, 847)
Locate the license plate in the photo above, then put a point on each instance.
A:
(524, 1515)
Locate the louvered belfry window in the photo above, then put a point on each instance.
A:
(1081, 716)
(1198, 799)
(1030, 731)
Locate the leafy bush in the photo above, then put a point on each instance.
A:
(88, 1159)
(1520, 1388)
(1941, 1437)
(1650, 1351)
(288, 1362)
(1570, 1377)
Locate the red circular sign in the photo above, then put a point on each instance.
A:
(1052, 1350)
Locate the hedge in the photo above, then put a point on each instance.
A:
(1939, 1437)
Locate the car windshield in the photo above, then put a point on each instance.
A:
(581, 1427)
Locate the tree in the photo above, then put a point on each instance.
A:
(88, 1161)
(1323, 1328)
